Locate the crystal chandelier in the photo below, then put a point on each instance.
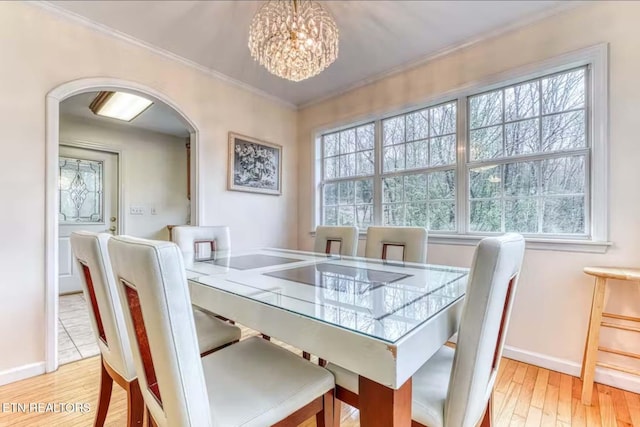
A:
(293, 39)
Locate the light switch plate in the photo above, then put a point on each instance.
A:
(136, 210)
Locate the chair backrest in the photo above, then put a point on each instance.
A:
(157, 309)
(107, 319)
(411, 240)
(490, 293)
(195, 240)
(347, 237)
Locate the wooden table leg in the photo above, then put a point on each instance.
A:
(383, 406)
(593, 337)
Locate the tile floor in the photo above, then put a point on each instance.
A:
(75, 336)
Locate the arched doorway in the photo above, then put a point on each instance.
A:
(52, 122)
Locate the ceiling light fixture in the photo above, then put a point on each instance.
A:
(119, 105)
(293, 39)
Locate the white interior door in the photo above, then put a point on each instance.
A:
(88, 193)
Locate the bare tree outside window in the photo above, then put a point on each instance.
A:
(346, 156)
(543, 123)
(418, 168)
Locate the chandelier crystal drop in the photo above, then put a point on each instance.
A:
(293, 39)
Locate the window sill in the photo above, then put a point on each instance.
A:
(533, 243)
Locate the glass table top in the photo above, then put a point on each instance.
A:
(249, 261)
(385, 300)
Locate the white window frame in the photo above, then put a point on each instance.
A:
(352, 178)
(596, 240)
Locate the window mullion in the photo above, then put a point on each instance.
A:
(320, 200)
(589, 209)
(377, 173)
(540, 205)
(462, 177)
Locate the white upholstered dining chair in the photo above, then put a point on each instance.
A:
(252, 383)
(201, 240)
(346, 237)
(107, 321)
(453, 389)
(411, 240)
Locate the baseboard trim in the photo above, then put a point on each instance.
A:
(21, 373)
(604, 376)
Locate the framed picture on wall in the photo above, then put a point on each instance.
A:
(254, 165)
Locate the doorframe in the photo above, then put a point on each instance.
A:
(52, 143)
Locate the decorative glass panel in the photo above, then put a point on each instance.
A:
(81, 191)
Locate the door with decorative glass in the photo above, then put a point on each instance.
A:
(88, 200)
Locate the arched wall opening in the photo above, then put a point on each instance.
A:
(52, 141)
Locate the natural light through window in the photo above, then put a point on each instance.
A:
(348, 154)
(542, 123)
(524, 164)
(418, 163)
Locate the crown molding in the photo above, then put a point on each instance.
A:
(407, 66)
(104, 29)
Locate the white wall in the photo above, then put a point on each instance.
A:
(40, 51)
(552, 307)
(161, 183)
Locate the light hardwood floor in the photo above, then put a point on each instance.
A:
(525, 395)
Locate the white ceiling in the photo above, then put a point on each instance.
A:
(157, 118)
(375, 36)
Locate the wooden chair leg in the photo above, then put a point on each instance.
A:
(325, 418)
(337, 412)
(106, 385)
(150, 421)
(486, 420)
(135, 405)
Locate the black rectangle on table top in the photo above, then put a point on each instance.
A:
(314, 274)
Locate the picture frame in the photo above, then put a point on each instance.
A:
(255, 166)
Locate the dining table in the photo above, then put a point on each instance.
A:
(381, 319)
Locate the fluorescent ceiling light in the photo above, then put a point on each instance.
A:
(119, 105)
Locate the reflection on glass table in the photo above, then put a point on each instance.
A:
(321, 274)
(382, 300)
